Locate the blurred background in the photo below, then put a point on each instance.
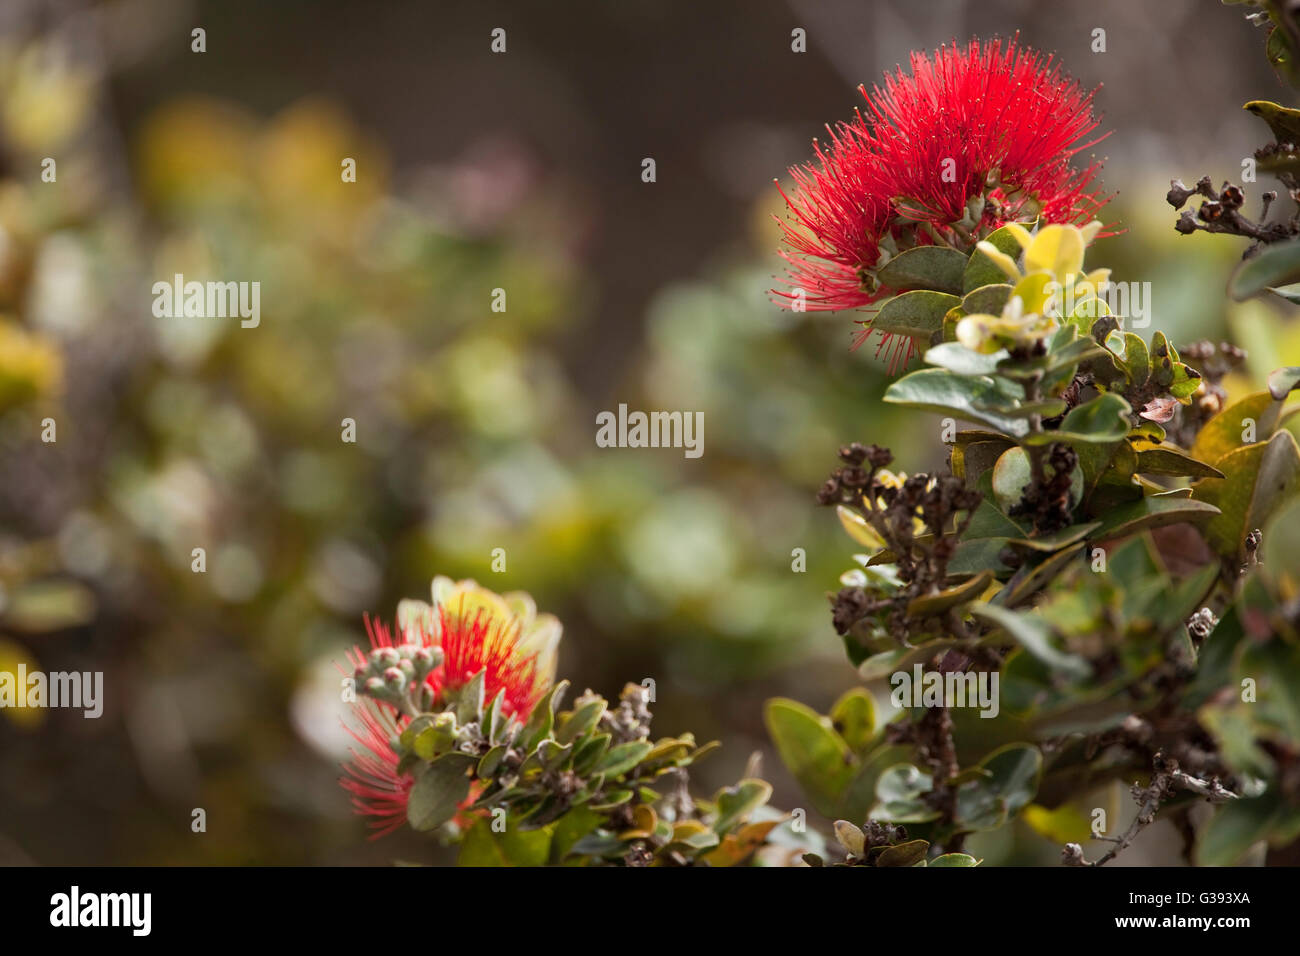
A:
(475, 429)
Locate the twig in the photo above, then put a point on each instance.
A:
(1166, 778)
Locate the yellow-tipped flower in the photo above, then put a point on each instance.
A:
(1048, 288)
(1013, 329)
(538, 635)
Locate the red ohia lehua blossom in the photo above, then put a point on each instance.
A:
(477, 631)
(974, 138)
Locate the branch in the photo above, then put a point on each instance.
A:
(1166, 778)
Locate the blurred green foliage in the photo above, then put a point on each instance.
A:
(180, 433)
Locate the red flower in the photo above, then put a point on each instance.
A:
(377, 789)
(485, 642)
(972, 139)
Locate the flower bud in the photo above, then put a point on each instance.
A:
(445, 732)
(422, 661)
(468, 735)
(1178, 193)
(382, 657)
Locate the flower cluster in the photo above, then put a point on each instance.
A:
(462, 733)
(972, 139)
(438, 651)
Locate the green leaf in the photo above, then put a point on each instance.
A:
(990, 522)
(1185, 597)
(487, 766)
(971, 460)
(581, 721)
(900, 794)
(1278, 50)
(854, 718)
(469, 703)
(1275, 665)
(735, 804)
(1163, 357)
(903, 854)
(930, 605)
(1060, 356)
(481, 846)
(925, 267)
(916, 314)
(974, 557)
(1032, 578)
(1259, 479)
(1168, 461)
(1146, 431)
(1043, 408)
(1214, 663)
(938, 390)
(1276, 265)
(1014, 771)
(571, 828)
(695, 839)
(1089, 713)
(955, 357)
(954, 859)
(553, 755)
(987, 299)
(612, 799)
(1282, 381)
(411, 732)
(1185, 382)
(589, 752)
(1154, 511)
(1225, 432)
(494, 717)
(542, 718)
(885, 663)
(860, 794)
(1056, 540)
(1033, 634)
(858, 529)
(1235, 828)
(439, 791)
(1282, 122)
(980, 271)
(623, 758)
(1012, 475)
(1137, 360)
(1292, 165)
(811, 750)
(1099, 421)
